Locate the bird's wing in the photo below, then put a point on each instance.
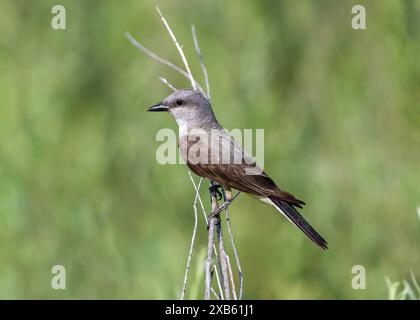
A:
(243, 175)
(233, 175)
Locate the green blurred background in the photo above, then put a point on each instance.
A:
(80, 185)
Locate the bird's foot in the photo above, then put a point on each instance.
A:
(215, 188)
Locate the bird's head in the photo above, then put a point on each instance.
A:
(181, 99)
(185, 105)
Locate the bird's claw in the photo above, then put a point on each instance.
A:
(215, 188)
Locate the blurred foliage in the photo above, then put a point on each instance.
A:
(80, 185)
(404, 290)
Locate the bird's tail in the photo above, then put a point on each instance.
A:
(294, 216)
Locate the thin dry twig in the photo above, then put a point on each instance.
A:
(219, 284)
(167, 83)
(159, 59)
(154, 56)
(206, 221)
(187, 268)
(179, 48)
(209, 259)
(223, 260)
(232, 282)
(235, 251)
(222, 251)
(203, 65)
(215, 294)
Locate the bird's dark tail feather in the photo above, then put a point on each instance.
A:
(294, 216)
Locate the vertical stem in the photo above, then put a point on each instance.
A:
(203, 65)
(232, 281)
(228, 196)
(209, 260)
(223, 261)
(179, 47)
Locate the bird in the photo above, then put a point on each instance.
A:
(200, 132)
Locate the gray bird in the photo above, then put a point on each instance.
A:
(194, 115)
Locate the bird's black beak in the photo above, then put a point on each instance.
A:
(158, 107)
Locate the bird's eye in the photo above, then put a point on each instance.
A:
(179, 102)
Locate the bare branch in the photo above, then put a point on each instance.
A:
(159, 59)
(232, 282)
(212, 222)
(203, 65)
(209, 259)
(235, 251)
(178, 46)
(167, 83)
(228, 198)
(187, 268)
(215, 294)
(206, 221)
(154, 56)
(219, 284)
(223, 260)
(199, 198)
